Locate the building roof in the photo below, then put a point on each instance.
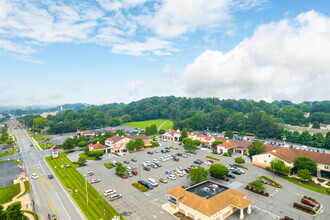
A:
(115, 138)
(98, 146)
(208, 138)
(289, 155)
(228, 144)
(142, 136)
(210, 206)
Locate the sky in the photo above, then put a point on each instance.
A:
(105, 51)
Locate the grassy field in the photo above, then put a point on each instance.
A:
(73, 181)
(45, 145)
(86, 157)
(38, 137)
(307, 186)
(8, 153)
(27, 188)
(7, 193)
(144, 124)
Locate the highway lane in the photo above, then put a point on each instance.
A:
(48, 194)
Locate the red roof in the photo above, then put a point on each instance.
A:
(208, 138)
(178, 132)
(207, 143)
(201, 135)
(109, 139)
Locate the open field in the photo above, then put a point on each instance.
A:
(144, 124)
(73, 181)
(7, 193)
(38, 137)
(45, 145)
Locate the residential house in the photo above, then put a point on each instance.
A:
(117, 143)
(288, 155)
(171, 135)
(89, 134)
(208, 140)
(225, 147)
(208, 201)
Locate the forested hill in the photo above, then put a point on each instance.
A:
(196, 113)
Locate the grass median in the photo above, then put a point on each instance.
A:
(75, 181)
(318, 189)
(7, 193)
(27, 187)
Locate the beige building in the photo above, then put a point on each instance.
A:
(117, 143)
(288, 155)
(208, 201)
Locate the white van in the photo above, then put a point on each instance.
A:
(153, 182)
(109, 192)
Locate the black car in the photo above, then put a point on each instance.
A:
(134, 160)
(163, 151)
(167, 148)
(154, 140)
(150, 152)
(186, 170)
(232, 165)
(50, 176)
(184, 186)
(197, 162)
(230, 175)
(125, 161)
(146, 184)
(236, 172)
(142, 182)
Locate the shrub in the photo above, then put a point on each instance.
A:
(108, 165)
(288, 218)
(239, 160)
(140, 187)
(257, 185)
(303, 207)
(225, 154)
(310, 198)
(218, 170)
(319, 184)
(328, 190)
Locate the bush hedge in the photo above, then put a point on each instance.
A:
(108, 165)
(239, 160)
(270, 180)
(212, 158)
(240, 166)
(328, 190)
(303, 207)
(140, 187)
(310, 198)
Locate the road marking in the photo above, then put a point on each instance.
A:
(48, 183)
(266, 211)
(39, 179)
(146, 194)
(62, 205)
(161, 212)
(51, 207)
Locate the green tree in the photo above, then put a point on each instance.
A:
(239, 160)
(229, 134)
(184, 134)
(184, 140)
(316, 125)
(39, 123)
(151, 130)
(218, 170)
(305, 137)
(139, 143)
(197, 142)
(161, 131)
(114, 122)
(13, 211)
(304, 107)
(327, 141)
(68, 144)
(295, 137)
(97, 154)
(301, 163)
(82, 144)
(257, 147)
(86, 150)
(82, 161)
(198, 174)
(131, 145)
(318, 140)
(120, 169)
(257, 185)
(3, 214)
(126, 118)
(304, 175)
(189, 146)
(279, 166)
(216, 143)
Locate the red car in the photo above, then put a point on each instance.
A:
(211, 161)
(308, 202)
(135, 172)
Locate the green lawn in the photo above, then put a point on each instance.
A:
(32, 213)
(86, 157)
(8, 153)
(4, 161)
(74, 180)
(7, 193)
(38, 137)
(45, 145)
(144, 124)
(304, 185)
(27, 188)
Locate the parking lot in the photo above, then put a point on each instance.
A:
(147, 205)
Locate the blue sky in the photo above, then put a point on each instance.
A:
(103, 51)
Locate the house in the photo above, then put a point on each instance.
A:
(208, 140)
(171, 135)
(89, 134)
(288, 155)
(192, 135)
(225, 147)
(208, 201)
(98, 146)
(117, 143)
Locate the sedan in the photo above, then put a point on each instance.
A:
(230, 175)
(34, 176)
(126, 162)
(242, 171)
(197, 162)
(150, 152)
(236, 172)
(50, 176)
(171, 176)
(163, 180)
(168, 172)
(133, 159)
(115, 197)
(135, 172)
(263, 181)
(96, 180)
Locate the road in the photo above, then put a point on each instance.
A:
(48, 194)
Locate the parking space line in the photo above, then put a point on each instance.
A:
(266, 211)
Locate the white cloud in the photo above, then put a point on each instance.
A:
(289, 59)
(152, 45)
(132, 86)
(7, 45)
(114, 5)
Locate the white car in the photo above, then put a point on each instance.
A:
(162, 159)
(129, 169)
(179, 173)
(229, 167)
(109, 192)
(148, 163)
(34, 176)
(155, 161)
(153, 182)
(207, 163)
(171, 176)
(242, 171)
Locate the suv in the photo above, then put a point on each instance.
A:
(308, 202)
(153, 182)
(150, 152)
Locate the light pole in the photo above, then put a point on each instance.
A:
(86, 192)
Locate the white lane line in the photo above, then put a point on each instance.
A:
(62, 205)
(266, 211)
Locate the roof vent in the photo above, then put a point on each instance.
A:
(274, 151)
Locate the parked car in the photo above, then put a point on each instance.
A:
(175, 158)
(207, 163)
(51, 216)
(149, 185)
(158, 164)
(184, 155)
(96, 180)
(163, 180)
(211, 161)
(153, 165)
(129, 169)
(263, 181)
(168, 172)
(179, 173)
(230, 168)
(135, 172)
(230, 175)
(89, 173)
(153, 182)
(34, 176)
(155, 161)
(184, 186)
(50, 176)
(200, 160)
(236, 172)
(133, 159)
(308, 202)
(178, 154)
(232, 165)
(109, 192)
(197, 162)
(189, 154)
(150, 152)
(129, 174)
(126, 162)
(241, 170)
(114, 197)
(147, 168)
(163, 151)
(171, 176)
